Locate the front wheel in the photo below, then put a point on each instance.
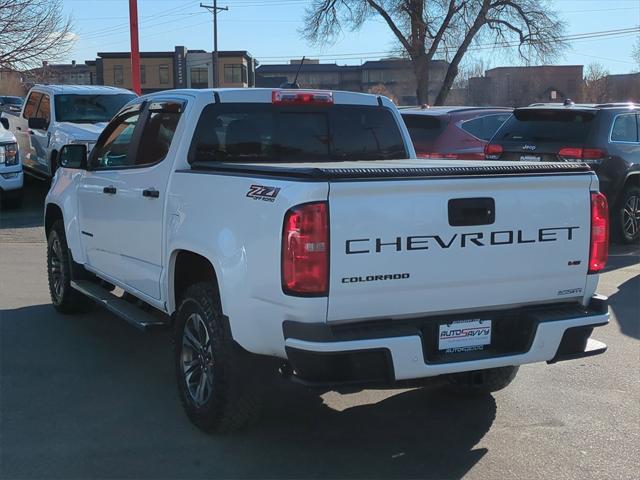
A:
(217, 386)
(627, 216)
(59, 271)
(482, 382)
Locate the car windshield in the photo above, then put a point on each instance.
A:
(89, 108)
(546, 125)
(424, 130)
(270, 133)
(11, 100)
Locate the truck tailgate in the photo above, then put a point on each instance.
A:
(418, 246)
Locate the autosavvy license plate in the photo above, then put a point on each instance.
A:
(464, 335)
(530, 158)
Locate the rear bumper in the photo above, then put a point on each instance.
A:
(387, 352)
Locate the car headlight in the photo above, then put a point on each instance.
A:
(9, 154)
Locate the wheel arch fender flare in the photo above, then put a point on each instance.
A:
(195, 253)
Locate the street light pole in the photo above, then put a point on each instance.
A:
(215, 9)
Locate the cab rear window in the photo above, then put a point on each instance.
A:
(546, 126)
(253, 132)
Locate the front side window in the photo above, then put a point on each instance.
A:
(118, 75)
(112, 150)
(32, 105)
(89, 108)
(624, 129)
(486, 126)
(158, 133)
(164, 74)
(233, 73)
(270, 133)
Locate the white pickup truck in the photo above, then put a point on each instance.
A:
(297, 225)
(57, 115)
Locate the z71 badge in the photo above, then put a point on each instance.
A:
(261, 192)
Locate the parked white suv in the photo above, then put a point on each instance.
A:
(57, 115)
(298, 225)
(11, 178)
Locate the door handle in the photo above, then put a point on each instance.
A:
(19, 128)
(111, 190)
(151, 193)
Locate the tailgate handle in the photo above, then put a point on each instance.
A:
(465, 212)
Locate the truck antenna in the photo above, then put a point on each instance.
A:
(294, 84)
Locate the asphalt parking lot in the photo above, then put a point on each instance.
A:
(89, 397)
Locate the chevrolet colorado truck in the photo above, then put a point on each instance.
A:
(297, 225)
(56, 115)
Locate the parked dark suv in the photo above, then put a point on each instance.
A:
(606, 136)
(453, 132)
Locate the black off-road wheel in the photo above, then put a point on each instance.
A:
(626, 217)
(216, 382)
(60, 271)
(482, 382)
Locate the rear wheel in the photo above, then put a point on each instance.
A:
(217, 386)
(60, 269)
(627, 216)
(482, 382)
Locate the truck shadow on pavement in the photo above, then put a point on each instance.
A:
(87, 396)
(625, 304)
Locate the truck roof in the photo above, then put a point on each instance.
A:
(80, 89)
(263, 95)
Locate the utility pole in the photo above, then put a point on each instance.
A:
(215, 9)
(135, 48)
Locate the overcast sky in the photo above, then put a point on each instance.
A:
(269, 30)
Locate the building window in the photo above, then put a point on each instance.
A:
(143, 74)
(199, 78)
(233, 73)
(164, 74)
(118, 75)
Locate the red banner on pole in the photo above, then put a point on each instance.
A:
(135, 47)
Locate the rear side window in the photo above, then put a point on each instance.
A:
(625, 128)
(424, 129)
(158, 133)
(484, 127)
(547, 125)
(245, 132)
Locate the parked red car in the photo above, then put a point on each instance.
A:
(453, 132)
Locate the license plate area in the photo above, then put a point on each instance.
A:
(464, 335)
(509, 334)
(530, 158)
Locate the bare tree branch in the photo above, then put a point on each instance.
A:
(449, 29)
(32, 31)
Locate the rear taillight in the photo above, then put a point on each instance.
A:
(301, 97)
(599, 247)
(305, 250)
(581, 154)
(492, 151)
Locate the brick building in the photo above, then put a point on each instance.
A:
(518, 86)
(62, 74)
(394, 77)
(180, 68)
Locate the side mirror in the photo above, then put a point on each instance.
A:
(5, 123)
(36, 123)
(73, 156)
